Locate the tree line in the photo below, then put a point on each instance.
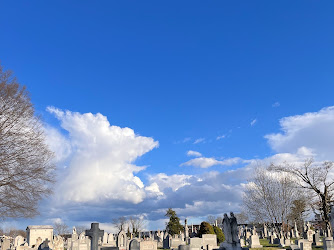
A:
(282, 194)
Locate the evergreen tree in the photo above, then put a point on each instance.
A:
(205, 228)
(173, 226)
(220, 234)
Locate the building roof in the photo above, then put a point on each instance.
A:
(40, 227)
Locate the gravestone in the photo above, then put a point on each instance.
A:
(18, 241)
(185, 247)
(45, 245)
(176, 242)
(242, 242)
(287, 242)
(328, 243)
(5, 244)
(316, 239)
(134, 245)
(39, 241)
(105, 238)
(148, 245)
(255, 241)
(300, 241)
(94, 233)
(306, 245)
(271, 239)
(265, 232)
(195, 242)
(166, 242)
(121, 242)
(281, 242)
(294, 247)
(209, 239)
(276, 241)
(310, 235)
(58, 243)
(84, 242)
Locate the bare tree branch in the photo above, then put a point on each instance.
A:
(26, 170)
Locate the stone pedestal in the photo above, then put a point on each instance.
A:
(230, 246)
(328, 243)
(305, 245)
(281, 242)
(287, 242)
(294, 247)
(242, 242)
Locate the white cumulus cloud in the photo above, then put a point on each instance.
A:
(101, 162)
(311, 131)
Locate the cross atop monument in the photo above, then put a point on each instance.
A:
(95, 233)
(46, 242)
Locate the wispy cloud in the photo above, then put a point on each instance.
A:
(276, 105)
(185, 140)
(199, 140)
(194, 153)
(205, 162)
(253, 122)
(220, 137)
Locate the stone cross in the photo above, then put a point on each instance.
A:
(46, 242)
(95, 233)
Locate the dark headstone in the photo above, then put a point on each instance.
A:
(134, 245)
(94, 233)
(44, 245)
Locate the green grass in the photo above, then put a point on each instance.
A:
(265, 243)
(267, 246)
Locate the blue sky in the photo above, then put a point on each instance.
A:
(174, 72)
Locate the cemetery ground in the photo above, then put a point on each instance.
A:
(267, 246)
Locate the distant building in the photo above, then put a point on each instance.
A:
(42, 231)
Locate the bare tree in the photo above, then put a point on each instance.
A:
(25, 160)
(211, 219)
(13, 232)
(242, 217)
(60, 228)
(136, 224)
(269, 197)
(315, 178)
(80, 229)
(120, 223)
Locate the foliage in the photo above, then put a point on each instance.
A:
(26, 168)
(205, 228)
(173, 226)
(220, 234)
(298, 211)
